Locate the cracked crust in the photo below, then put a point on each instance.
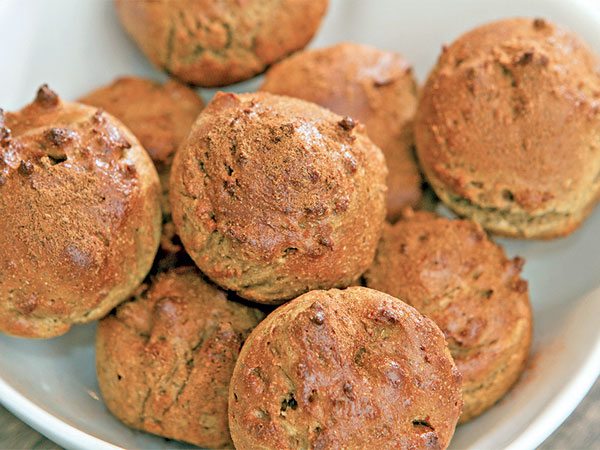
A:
(507, 128)
(453, 273)
(164, 359)
(373, 86)
(355, 368)
(80, 216)
(161, 117)
(209, 43)
(274, 196)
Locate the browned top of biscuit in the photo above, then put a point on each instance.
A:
(164, 360)
(373, 86)
(265, 179)
(210, 43)
(80, 214)
(509, 119)
(453, 273)
(160, 116)
(344, 369)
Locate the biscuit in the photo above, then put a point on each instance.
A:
(373, 86)
(507, 128)
(80, 216)
(210, 43)
(344, 369)
(160, 116)
(274, 196)
(453, 273)
(164, 359)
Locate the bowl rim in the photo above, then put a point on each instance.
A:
(48, 424)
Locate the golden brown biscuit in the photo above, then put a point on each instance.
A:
(216, 43)
(344, 369)
(373, 86)
(454, 274)
(160, 116)
(274, 196)
(164, 360)
(507, 128)
(80, 216)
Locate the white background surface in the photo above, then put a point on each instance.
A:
(77, 45)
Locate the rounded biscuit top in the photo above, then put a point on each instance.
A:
(165, 358)
(354, 368)
(273, 196)
(80, 215)
(376, 87)
(210, 43)
(507, 127)
(159, 115)
(450, 271)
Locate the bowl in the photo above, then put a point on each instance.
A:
(75, 46)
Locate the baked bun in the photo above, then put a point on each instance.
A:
(274, 196)
(373, 86)
(80, 216)
(453, 273)
(507, 128)
(160, 116)
(210, 43)
(344, 369)
(164, 359)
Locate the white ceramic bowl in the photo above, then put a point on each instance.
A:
(77, 45)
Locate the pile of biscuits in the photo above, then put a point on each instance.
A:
(183, 227)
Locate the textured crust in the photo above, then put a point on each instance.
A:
(274, 196)
(164, 360)
(344, 369)
(80, 216)
(373, 86)
(507, 128)
(454, 274)
(160, 116)
(209, 43)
